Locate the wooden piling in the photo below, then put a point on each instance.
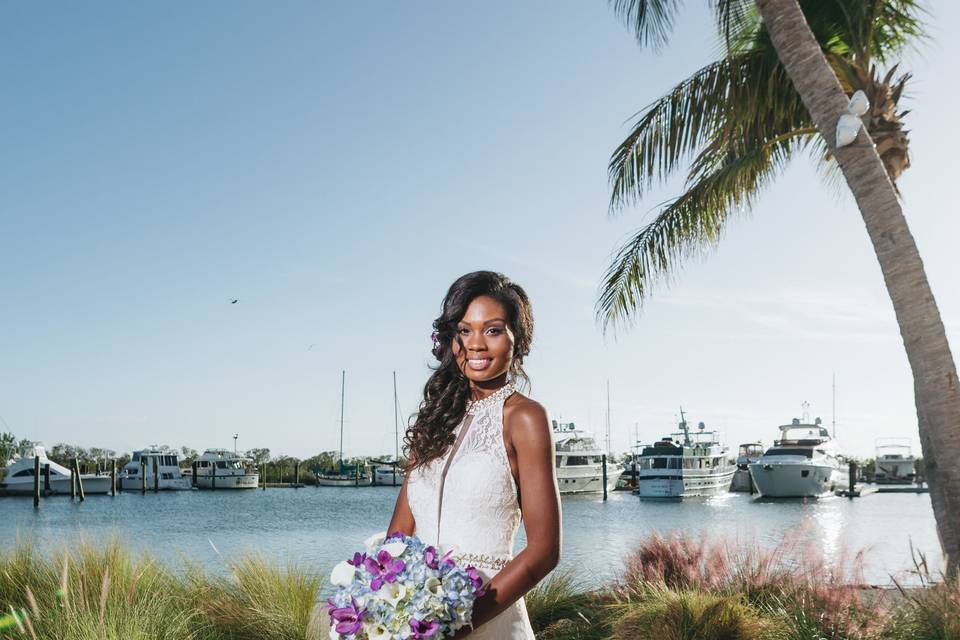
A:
(113, 477)
(46, 480)
(73, 480)
(356, 475)
(213, 475)
(603, 461)
(264, 476)
(76, 464)
(143, 476)
(193, 477)
(853, 477)
(296, 475)
(156, 475)
(636, 473)
(36, 482)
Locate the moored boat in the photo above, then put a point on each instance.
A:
(804, 462)
(685, 464)
(579, 461)
(160, 469)
(20, 473)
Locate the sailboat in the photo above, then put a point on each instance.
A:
(388, 473)
(346, 475)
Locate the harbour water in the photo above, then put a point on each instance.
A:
(317, 527)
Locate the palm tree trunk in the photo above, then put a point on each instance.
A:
(934, 374)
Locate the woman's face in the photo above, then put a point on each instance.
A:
(487, 341)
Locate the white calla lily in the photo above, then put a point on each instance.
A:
(392, 592)
(342, 574)
(434, 586)
(395, 549)
(375, 540)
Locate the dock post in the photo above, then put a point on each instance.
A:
(296, 475)
(73, 480)
(113, 478)
(635, 473)
(603, 461)
(395, 473)
(264, 465)
(853, 477)
(36, 482)
(213, 475)
(46, 479)
(156, 475)
(193, 476)
(76, 464)
(143, 476)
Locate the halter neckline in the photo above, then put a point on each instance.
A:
(497, 397)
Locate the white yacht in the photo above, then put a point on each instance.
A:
(579, 461)
(387, 475)
(747, 453)
(684, 464)
(895, 463)
(222, 469)
(805, 462)
(161, 468)
(20, 473)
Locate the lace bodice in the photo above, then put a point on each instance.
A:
(479, 514)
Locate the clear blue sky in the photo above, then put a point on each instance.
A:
(336, 165)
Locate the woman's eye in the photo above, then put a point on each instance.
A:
(464, 330)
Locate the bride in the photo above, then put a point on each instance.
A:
(481, 454)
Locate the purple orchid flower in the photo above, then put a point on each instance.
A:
(347, 619)
(476, 580)
(447, 561)
(395, 535)
(358, 559)
(422, 629)
(430, 557)
(384, 568)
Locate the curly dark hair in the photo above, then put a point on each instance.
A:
(447, 391)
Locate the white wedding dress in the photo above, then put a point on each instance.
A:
(474, 510)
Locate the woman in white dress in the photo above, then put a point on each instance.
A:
(481, 454)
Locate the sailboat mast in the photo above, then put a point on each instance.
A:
(608, 417)
(343, 383)
(396, 421)
(833, 408)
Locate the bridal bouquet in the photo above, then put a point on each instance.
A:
(401, 588)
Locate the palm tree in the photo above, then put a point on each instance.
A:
(784, 80)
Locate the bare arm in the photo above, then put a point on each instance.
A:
(402, 519)
(531, 441)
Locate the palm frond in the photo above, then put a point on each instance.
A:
(651, 21)
(686, 227)
(742, 98)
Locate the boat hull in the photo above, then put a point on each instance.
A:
(166, 484)
(343, 481)
(227, 482)
(741, 481)
(678, 486)
(387, 478)
(586, 480)
(795, 480)
(92, 485)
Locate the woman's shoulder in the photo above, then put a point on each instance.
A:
(524, 414)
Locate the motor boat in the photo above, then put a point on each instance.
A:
(804, 462)
(685, 464)
(223, 469)
(747, 453)
(895, 463)
(160, 468)
(579, 461)
(19, 477)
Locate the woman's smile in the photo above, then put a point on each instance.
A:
(479, 363)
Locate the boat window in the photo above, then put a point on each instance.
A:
(807, 453)
(659, 463)
(577, 460)
(20, 474)
(559, 458)
(136, 456)
(716, 462)
(674, 463)
(688, 463)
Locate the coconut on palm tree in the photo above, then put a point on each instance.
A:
(732, 126)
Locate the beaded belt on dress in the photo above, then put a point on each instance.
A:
(481, 560)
